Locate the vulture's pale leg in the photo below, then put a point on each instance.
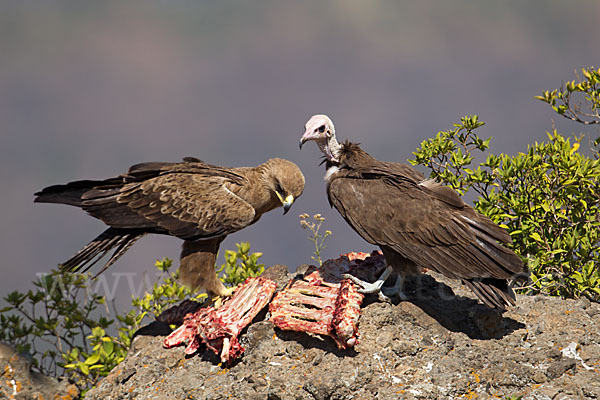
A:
(397, 290)
(197, 268)
(374, 287)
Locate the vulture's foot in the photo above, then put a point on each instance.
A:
(396, 290)
(377, 286)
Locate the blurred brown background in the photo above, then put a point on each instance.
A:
(89, 88)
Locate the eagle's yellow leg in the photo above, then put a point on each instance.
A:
(197, 269)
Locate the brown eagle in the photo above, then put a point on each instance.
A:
(194, 201)
(417, 223)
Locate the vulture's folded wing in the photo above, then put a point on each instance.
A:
(400, 214)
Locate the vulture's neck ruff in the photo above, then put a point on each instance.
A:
(331, 169)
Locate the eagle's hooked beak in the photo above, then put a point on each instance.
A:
(286, 203)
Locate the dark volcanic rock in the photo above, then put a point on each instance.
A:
(440, 344)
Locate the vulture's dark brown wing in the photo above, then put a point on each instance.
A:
(389, 210)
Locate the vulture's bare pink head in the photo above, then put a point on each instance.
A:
(320, 129)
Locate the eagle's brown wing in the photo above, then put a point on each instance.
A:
(190, 201)
(397, 212)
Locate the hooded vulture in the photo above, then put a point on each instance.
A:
(194, 201)
(417, 223)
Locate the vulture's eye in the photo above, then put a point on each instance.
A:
(322, 128)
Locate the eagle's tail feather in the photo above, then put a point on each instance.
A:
(72, 192)
(113, 238)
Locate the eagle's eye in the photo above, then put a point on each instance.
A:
(278, 188)
(322, 128)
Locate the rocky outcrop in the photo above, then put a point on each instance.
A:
(18, 381)
(439, 344)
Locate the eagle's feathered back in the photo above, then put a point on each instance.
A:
(185, 199)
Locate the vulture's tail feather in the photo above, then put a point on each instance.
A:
(490, 247)
(491, 241)
(119, 240)
(495, 293)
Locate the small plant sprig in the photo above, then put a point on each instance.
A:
(578, 100)
(240, 265)
(52, 322)
(315, 236)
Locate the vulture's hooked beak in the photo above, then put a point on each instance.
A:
(309, 135)
(286, 203)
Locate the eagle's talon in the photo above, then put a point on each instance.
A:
(224, 295)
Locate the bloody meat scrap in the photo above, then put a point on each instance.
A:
(219, 328)
(175, 315)
(324, 302)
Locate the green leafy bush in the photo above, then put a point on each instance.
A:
(62, 322)
(48, 322)
(108, 351)
(450, 152)
(547, 197)
(164, 293)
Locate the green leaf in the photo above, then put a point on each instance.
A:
(93, 359)
(536, 236)
(108, 347)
